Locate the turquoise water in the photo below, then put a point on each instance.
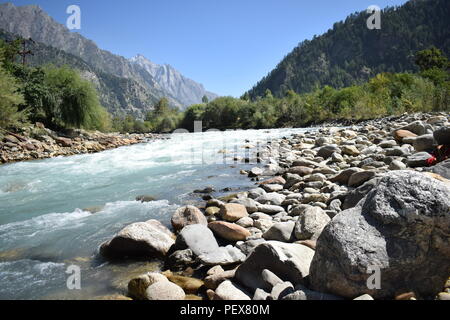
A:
(43, 228)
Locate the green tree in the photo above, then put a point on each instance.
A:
(431, 58)
(10, 99)
(205, 99)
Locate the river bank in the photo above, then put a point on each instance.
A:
(37, 142)
(330, 209)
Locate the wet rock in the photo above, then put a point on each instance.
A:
(180, 260)
(164, 290)
(401, 228)
(212, 211)
(137, 287)
(145, 199)
(188, 284)
(255, 172)
(290, 262)
(140, 240)
(188, 215)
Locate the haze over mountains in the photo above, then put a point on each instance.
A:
(145, 81)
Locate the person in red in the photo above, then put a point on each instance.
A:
(440, 154)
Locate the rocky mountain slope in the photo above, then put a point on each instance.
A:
(119, 95)
(32, 22)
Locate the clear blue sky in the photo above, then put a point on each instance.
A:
(227, 45)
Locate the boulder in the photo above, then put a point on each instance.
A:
(442, 169)
(416, 127)
(188, 215)
(232, 212)
(301, 171)
(188, 284)
(229, 231)
(310, 224)
(282, 231)
(355, 196)
(418, 160)
(249, 204)
(230, 291)
(271, 198)
(139, 240)
(270, 209)
(274, 180)
(137, 287)
(290, 262)
(400, 135)
(400, 228)
(344, 176)
(214, 280)
(359, 178)
(350, 151)
(203, 244)
(327, 151)
(164, 290)
(442, 136)
(424, 143)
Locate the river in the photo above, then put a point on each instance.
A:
(44, 229)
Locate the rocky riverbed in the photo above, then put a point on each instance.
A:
(37, 142)
(331, 210)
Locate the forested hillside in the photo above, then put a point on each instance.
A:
(351, 54)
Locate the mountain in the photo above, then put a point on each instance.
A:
(350, 53)
(32, 22)
(119, 95)
(174, 82)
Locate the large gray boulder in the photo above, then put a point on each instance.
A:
(290, 262)
(442, 169)
(401, 227)
(148, 239)
(204, 246)
(442, 136)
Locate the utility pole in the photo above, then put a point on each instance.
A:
(24, 53)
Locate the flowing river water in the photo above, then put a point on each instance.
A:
(44, 229)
